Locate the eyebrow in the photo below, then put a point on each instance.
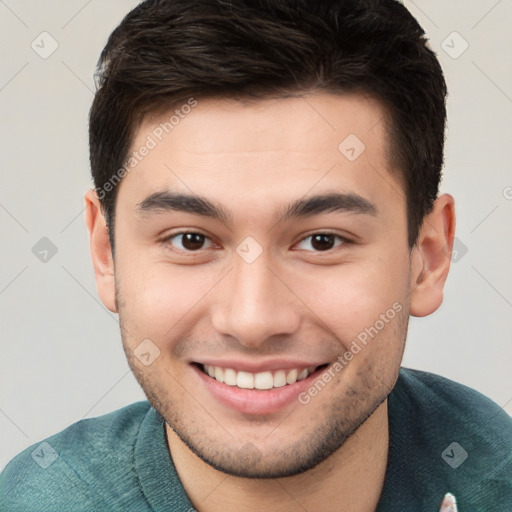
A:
(171, 201)
(314, 205)
(327, 203)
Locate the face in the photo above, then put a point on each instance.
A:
(257, 245)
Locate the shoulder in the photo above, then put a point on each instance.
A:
(432, 394)
(62, 471)
(460, 435)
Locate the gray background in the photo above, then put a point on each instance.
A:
(61, 357)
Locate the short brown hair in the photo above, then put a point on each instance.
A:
(167, 51)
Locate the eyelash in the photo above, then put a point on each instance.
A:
(343, 240)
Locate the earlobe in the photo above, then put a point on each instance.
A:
(431, 256)
(101, 251)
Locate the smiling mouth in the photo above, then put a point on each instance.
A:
(260, 381)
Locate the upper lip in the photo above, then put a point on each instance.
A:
(261, 366)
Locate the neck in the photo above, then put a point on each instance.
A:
(350, 480)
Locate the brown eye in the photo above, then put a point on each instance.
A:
(188, 241)
(321, 242)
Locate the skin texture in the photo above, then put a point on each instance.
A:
(293, 301)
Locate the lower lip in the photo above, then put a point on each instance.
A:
(253, 401)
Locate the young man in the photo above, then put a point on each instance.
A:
(265, 219)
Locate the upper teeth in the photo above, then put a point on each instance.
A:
(262, 380)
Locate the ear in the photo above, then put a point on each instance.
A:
(431, 256)
(101, 252)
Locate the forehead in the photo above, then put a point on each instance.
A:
(258, 124)
(272, 150)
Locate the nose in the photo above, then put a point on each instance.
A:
(255, 304)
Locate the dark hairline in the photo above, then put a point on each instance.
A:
(374, 47)
(163, 109)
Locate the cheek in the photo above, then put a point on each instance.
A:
(351, 298)
(157, 299)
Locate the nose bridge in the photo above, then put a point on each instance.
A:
(255, 304)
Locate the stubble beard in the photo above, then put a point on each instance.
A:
(342, 417)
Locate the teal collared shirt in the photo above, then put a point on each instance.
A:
(444, 437)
